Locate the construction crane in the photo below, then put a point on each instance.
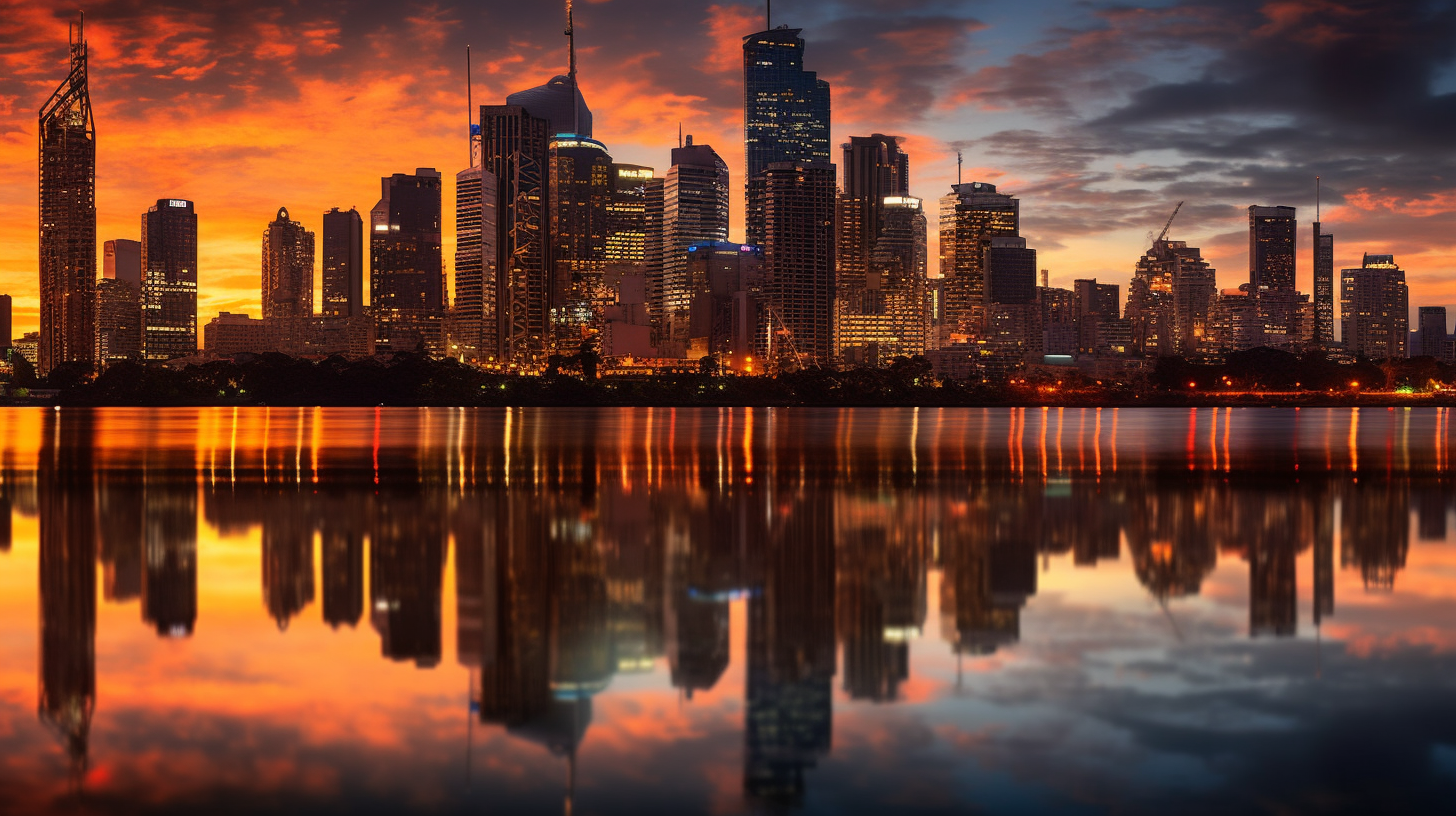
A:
(1162, 236)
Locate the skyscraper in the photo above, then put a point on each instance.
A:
(785, 113)
(874, 168)
(1374, 309)
(343, 263)
(68, 218)
(694, 211)
(1271, 248)
(1170, 299)
(798, 247)
(1324, 286)
(514, 146)
(1431, 339)
(406, 268)
(476, 201)
(970, 216)
(119, 303)
(581, 187)
(288, 254)
(552, 102)
(627, 214)
(169, 280)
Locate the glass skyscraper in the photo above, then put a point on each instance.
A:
(169, 280)
(785, 112)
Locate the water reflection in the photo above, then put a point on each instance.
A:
(582, 548)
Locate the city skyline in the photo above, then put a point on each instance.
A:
(956, 87)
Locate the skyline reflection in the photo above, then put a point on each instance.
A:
(784, 564)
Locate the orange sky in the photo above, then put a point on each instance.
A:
(244, 108)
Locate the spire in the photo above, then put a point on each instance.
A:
(571, 71)
(1316, 198)
(469, 108)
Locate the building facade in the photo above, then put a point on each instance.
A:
(68, 219)
(1324, 287)
(406, 266)
(288, 257)
(581, 190)
(1374, 308)
(786, 113)
(970, 216)
(476, 202)
(799, 286)
(515, 148)
(119, 303)
(343, 264)
(694, 212)
(169, 280)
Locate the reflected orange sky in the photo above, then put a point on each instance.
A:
(960, 600)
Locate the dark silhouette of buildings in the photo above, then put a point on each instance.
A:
(169, 280)
(406, 576)
(343, 264)
(406, 267)
(68, 218)
(287, 562)
(785, 114)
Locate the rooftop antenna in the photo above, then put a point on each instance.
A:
(1316, 198)
(958, 168)
(469, 108)
(679, 134)
(768, 15)
(571, 72)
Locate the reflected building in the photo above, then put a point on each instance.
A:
(169, 583)
(65, 500)
(287, 560)
(791, 654)
(406, 579)
(343, 578)
(1375, 531)
(988, 563)
(880, 596)
(1273, 536)
(121, 534)
(1168, 538)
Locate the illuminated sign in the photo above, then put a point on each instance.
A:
(902, 201)
(177, 202)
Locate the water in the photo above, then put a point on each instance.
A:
(633, 610)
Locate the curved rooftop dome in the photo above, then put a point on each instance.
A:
(552, 102)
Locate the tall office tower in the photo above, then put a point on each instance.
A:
(1096, 305)
(68, 219)
(694, 211)
(897, 280)
(785, 113)
(406, 268)
(581, 187)
(1170, 299)
(1374, 310)
(876, 172)
(169, 280)
(1271, 248)
(1010, 271)
(288, 254)
(1431, 339)
(169, 581)
(476, 200)
(970, 216)
(343, 263)
(798, 249)
(514, 147)
(874, 169)
(1012, 316)
(1324, 287)
(7, 326)
(627, 215)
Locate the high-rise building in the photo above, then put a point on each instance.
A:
(514, 147)
(798, 248)
(343, 264)
(880, 283)
(1010, 271)
(169, 280)
(406, 267)
(581, 188)
(119, 303)
(476, 200)
(288, 255)
(68, 218)
(694, 212)
(785, 113)
(1096, 305)
(1170, 299)
(722, 315)
(970, 216)
(1324, 286)
(1430, 338)
(1374, 310)
(1271, 248)
(627, 215)
(6, 325)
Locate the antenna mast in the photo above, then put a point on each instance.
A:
(768, 15)
(1316, 198)
(958, 167)
(571, 71)
(469, 108)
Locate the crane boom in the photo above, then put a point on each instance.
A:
(1163, 236)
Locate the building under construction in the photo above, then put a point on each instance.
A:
(68, 219)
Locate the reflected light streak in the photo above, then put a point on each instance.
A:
(1060, 409)
(1045, 414)
(1213, 441)
(1354, 440)
(1228, 421)
(1192, 434)
(1115, 415)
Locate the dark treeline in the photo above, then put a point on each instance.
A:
(411, 379)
